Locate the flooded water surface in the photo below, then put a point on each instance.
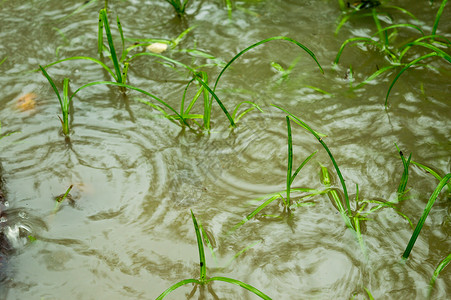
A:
(125, 229)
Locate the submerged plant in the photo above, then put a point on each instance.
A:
(203, 279)
(179, 6)
(60, 199)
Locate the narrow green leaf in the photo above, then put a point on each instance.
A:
(312, 55)
(442, 265)
(356, 39)
(301, 166)
(176, 286)
(52, 84)
(83, 58)
(438, 16)
(425, 214)
(109, 37)
(404, 69)
(132, 88)
(290, 161)
(200, 246)
(241, 284)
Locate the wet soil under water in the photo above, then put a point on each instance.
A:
(128, 233)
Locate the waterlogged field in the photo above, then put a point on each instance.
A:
(230, 150)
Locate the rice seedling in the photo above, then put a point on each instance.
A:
(64, 100)
(60, 199)
(203, 279)
(179, 6)
(425, 214)
(286, 195)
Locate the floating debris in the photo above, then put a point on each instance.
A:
(157, 47)
(27, 101)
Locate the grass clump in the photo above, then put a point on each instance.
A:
(64, 100)
(384, 41)
(203, 279)
(179, 6)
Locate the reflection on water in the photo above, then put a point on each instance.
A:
(128, 233)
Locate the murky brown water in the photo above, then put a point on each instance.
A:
(136, 175)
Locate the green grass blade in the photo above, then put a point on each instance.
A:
(438, 16)
(312, 55)
(176, 286)
(100, 35)
(290, 161)
(65, 107)
(383, 36)
(400, 26)
(298, 121)
(132, 88)
(256, 211)
(402, 10)
(53, 85)
(439, 269)
(208, 242)
(3, 60)
(177, 40)
(235, 111)
(109, 37)
(429, 170)
(241, 284)
(224, 109)
(413, 62)
(405, 175)
(207, 103)
(439, 51)
(320, 140)
(301, 166)
(370, 297)
(374, 75)
(425, 214)
(83, 58)
(200, 246)
(182, 103)
(121, 32)
(356, 39)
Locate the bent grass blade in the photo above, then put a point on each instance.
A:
(241, 284)
(135, 89)
(82, 58)
(439, 269)
(425, 214)
(312, 55)
(404, 69)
